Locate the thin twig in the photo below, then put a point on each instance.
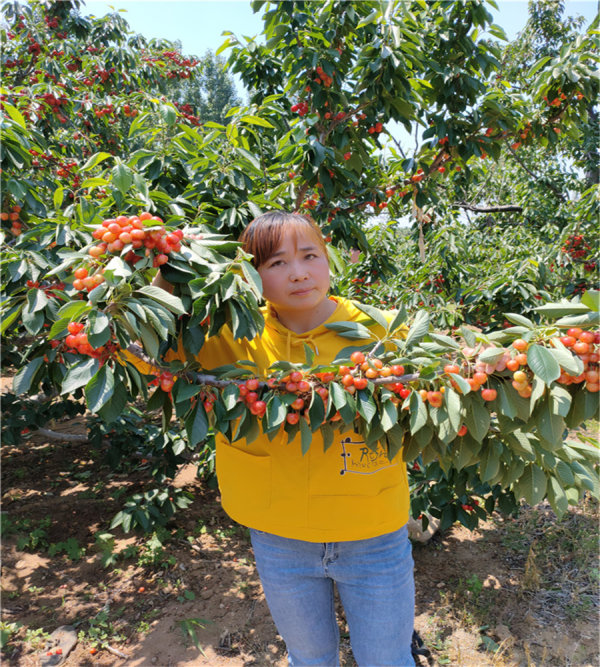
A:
(116, 652)
(533, 175)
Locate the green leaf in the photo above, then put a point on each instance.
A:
(562, 309)
(122, 178)
(316, 412)
(95, 160)
(469, 336)
(418, 329)
(14, 113)
(374, 313)
(230, 396)
(454, 408)
(561, 400)
(551, 426)
(445, 341)
(519, 319)
(252, 159)
(183, 391)
(8, 319)
(99, 389)
(36, 300)
(256, 120)
(395, 440)
(275, 413)
(74, 309)
(353, 330)
(338, 395)
(491, 354)
(168, 114)
(564, 473)
(305, 435)
(253, 277)
(366, 405)
(591, 299)
(418, 412)
(57, 199)
(543, 364)
(531, 485)
(173, 303)
(398, 320)
(23, 379)
(507, 406)
(371, 18)
(113, 409)
(590, 319)
(348, 410)
(465, 451)
(584, 406)
(196, 425)
(389, 415)
(99, 329)
(521, 444)
(567, 360)
(537, 391)
(79, 375)
(309, 354)
(557, 497)
(463, 385)
(489, 463)
(477, 418)
(149, 340)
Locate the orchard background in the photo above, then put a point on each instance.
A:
(454, 175)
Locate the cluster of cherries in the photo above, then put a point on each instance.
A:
(321, 77)
(180, 67)
(13, 217)
(576, 247)
(301, 108)
(187, 112)
(84, 281)
(165, 381)
(586, 345)
(144, 231)
(76, 342)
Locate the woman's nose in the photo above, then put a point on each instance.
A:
(298, 272)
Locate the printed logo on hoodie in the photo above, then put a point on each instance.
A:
(359, 459)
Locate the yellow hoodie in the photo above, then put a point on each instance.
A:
(345, 493)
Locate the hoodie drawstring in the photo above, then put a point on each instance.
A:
(297, 340)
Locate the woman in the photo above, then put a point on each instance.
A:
(330, 516)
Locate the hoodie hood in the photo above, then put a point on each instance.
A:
(323, 341)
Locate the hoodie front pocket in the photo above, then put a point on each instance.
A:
(244, 480)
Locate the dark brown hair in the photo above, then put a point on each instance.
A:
(262, 237)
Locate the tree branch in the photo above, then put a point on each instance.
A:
(68, 437)
(212, 381)
(488, 209)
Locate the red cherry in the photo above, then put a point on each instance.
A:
(488, 394)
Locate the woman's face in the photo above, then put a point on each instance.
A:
(296, 277)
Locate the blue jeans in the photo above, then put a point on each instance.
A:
(375, 582)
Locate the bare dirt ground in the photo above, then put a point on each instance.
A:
(515, 592)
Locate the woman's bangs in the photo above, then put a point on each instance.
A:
(263, 236)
